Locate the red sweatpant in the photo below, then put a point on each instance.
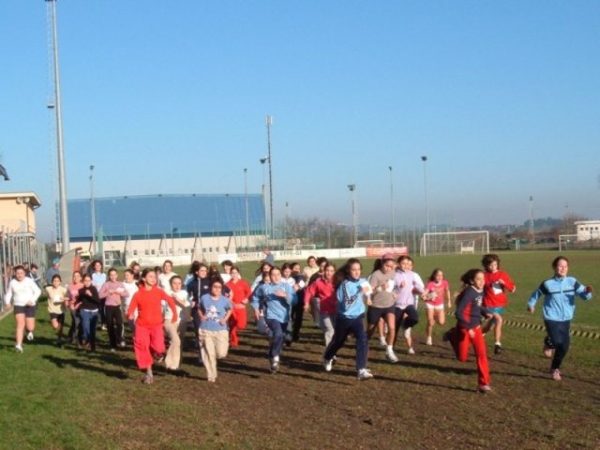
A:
(237, 321)
(148, 340)
(461, 341)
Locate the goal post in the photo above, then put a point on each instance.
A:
(566, 241)
(455, 243)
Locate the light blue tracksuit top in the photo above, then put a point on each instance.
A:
(350, 298)
(559, 297)
(277, 308)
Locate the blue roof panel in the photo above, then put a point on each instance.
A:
(153, 216)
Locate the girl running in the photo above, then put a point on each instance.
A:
(382, 307)
(265, 267)
(406, 285)
(88, 303)
(558, 309)
(215, 310)
(467, 331)
(149, 337)
(351, 293)
(323, 290)
(173, 329)
(167, 273)
(131, 287)
(226, 265)
(113, 292)
(436, 292)
(274, 300)
(57, 298)
(98, 280)
(497, 283)
(73, 290)
(240, 293)
(24, 294)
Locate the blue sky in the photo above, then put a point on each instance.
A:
(170, 97)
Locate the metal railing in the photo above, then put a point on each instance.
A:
(19, 248)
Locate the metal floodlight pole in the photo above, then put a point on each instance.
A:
(93, 210)
(247, 211)
(62, 188)
(264, 194)
(424, 159)
(392, 209)
(531, 222)
(269, 122)
(352, 189)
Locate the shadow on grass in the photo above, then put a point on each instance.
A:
(77, 363)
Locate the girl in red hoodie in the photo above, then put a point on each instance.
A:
(323, 289)
(149, 337)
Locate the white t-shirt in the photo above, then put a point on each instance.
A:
(22, 293)
(164, 279)
(130, 289)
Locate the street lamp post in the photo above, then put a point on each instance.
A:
(424, 159)
(352, 189)
(93, 210)
(62, 185)
(269, 122)
(264, 194)
(392, 209)
(247, 212)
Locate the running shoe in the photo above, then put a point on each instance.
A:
(19, 348)
(497, 349)
(411, 351)
(429, 341)
(484, 388)
(274, 365)
(328, 364)
(122, 344)
(148, 379)
(556, 376)
(390, 355)
(30, 336)
(364, 374)
(382, 341)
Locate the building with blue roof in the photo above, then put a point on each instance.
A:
(181, 227)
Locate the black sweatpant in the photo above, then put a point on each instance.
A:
(558, 332)
(114, 322)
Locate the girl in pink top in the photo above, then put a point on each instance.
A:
(114, 292)
(437, 291)
(73, 291)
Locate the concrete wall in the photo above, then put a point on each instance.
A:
(16, 216)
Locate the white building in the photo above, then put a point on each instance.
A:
(588, 230)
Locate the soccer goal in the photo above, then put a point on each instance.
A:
(455, 243)
(566, 241)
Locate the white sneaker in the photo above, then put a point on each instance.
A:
(274, 365)
(30, 336)
(391, 356)
(382, 341)
(407, 333)
(429, 341)
(19, 348)
(411, 351)
(328, 364)
(364, 374)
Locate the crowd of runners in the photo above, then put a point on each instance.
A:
(160, 308)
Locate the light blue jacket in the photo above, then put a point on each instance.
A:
(277, 308)
(559, 297)
(351, 298)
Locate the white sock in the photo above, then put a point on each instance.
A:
(389, 348)
(276, 358)
(498, 343)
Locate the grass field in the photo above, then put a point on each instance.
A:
(65, 398)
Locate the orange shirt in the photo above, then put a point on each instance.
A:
(148, 304)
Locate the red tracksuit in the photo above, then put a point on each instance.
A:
(468, 313)
(240, 291)
(149, 337)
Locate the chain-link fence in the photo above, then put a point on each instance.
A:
(19, 248)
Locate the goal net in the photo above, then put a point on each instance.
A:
(455, 243)
(566, 241)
